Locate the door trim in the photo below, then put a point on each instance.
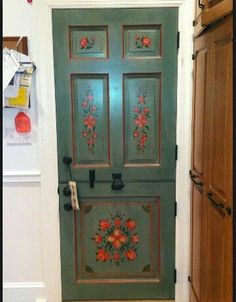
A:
(42, 50)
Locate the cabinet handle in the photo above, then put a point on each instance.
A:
(200, 4)
(215, 203)
(193, 178)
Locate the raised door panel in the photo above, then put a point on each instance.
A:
(219, 174)
(201, 92)
(196, 244)
(215, 9)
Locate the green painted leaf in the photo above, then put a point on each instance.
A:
(147, 268)
(88, 269)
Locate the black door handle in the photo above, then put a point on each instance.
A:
(193, 178)
(214, 202)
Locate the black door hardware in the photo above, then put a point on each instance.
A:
(68, 207)
(91, 178)
(214, 202)
(200, 4)
(117, 182)
(193, 178)
(67, 191)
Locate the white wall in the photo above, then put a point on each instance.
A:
(23, 263)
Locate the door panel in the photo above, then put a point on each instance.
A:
(115, 78)
(143, 267)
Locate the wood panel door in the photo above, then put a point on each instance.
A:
(200, 121)
(115, 76)
(211, 242)
(217, 217)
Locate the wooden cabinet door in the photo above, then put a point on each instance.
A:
(217, 219)
(115, 76)
(213, 10)
(199, 124)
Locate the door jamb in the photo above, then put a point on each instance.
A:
(47, 135)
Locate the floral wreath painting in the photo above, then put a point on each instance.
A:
(86, 43)
(116, 239)
(142, 42)
(90, 119)
(141, 119)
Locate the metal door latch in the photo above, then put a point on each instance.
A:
(117, 182)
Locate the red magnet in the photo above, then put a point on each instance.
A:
(22, 122)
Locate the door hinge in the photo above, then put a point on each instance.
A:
(176, 152)
(175, 208)
(175, 275)
(189, 279)
(178, 39)
(58, 190)
(194, 22)
(193, 56)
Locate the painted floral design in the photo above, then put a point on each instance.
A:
(86, 43)
(116, 239)
(90, 119)
(141, 119)
(142, 42)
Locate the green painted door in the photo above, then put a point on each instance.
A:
(115, 77)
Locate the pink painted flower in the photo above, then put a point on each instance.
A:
(146, 109)
(93, 109)
(90, 121)
(141, 121)
(117, 238)
(104, 224)
(97, 238)
(84, 105)
(90, 141)
(83, 42)
(135, 238)
(130, 224)
(143, 139)
(141, 99)
(102, 255)
(130, 255)
(136, 109)
(136, 133)
(117, 222)
(94, 134)
(146, 41)
(84, 133)
(116, 257)
(90, 97)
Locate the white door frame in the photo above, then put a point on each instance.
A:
(48, 139)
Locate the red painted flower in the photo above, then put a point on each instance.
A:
(90, 121)
(83, 42)
(136, 133)
(97, 238)
(104, 224)
(90, 142)
(135, 238)
(141, 121)
(84, 133)
(117, 222)
(141, 99)
(143, 139)
(136, 109)
(130, 255)
(146, 109)
(130, 224)
(146, 41)
(117, 238)
(84, 105)
(102, 255)
(116, 257)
